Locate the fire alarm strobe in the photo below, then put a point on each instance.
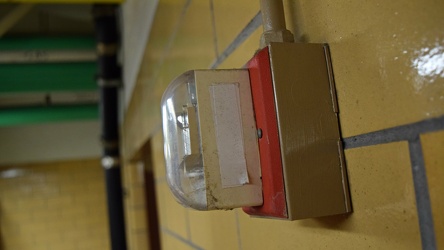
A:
(265, 138)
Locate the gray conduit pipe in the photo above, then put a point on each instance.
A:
(273, 21)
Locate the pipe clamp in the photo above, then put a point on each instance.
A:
(109, 162)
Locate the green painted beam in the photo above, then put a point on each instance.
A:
(47, 43)
(35, 115)
(47, 77)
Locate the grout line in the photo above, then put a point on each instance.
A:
(399, 133)
(410, 133)
(239, 239)
(170, 42)
(240, 38)
(176, 30)
(213, 23)
(187, 221)
(178, 237)
(422, 195)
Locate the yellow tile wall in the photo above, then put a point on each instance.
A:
(384, 212)
(172, 216)
(383, 218)
(433, 145)
(379, 50)
(380, 54)
(59, 205)
(135, 206)
(227, 27)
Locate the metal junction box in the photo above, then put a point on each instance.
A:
(303, 169)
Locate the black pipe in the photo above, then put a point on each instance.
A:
(109, 78)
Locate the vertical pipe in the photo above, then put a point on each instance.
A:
(109, 75)
(272, 15)
(273, 21)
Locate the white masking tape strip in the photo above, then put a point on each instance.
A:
(228, 124)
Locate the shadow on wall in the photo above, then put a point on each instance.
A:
(293, 9)
(336, 222)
